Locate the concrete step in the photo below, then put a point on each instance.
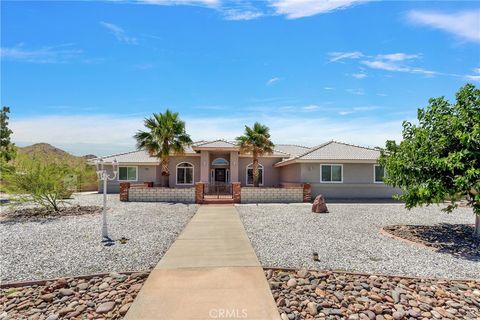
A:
(218, 201)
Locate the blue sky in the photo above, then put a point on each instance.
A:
(83, 75)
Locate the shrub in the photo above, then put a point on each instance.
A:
(44, 183)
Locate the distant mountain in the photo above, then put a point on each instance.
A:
(44, 151)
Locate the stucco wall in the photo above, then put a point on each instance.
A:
(357, 182)
(271, 195)
(271, 174)
(183, 195)
(353, 190)
(290, 173)
(145, 173)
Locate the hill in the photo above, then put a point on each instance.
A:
(44, 152)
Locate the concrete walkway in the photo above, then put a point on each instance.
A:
(209, 272)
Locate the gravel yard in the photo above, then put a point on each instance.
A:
(348, 239)
(70, 246)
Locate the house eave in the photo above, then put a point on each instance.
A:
(292, 161)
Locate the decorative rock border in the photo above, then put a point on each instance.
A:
(107, 296)
(304, 294)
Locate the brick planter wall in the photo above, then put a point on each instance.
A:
(272, 195)
(183, 195)
(124, 187)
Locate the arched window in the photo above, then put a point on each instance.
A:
(184, 173)
(250, 174)
(220, 162)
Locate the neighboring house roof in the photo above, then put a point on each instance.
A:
(335, 151)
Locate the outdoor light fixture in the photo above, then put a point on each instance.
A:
(103, 175)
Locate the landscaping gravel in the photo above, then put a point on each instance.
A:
(70, 246)
(348, 238)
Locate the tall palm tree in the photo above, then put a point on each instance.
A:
(165, 136)
(255, 140)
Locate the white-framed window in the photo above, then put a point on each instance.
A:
(378, 173)
(127, 173)
(249, 175)
(331, 173)
(185, 173)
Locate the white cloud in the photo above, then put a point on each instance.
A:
(394, 62)
(54, 54)
(239, 15)
(358, 92)
(294, 9)
(273, 81)
(398, 56)
(107, 134)
(328, 88)
(465, 25)
(119, 33)
(360, 75)
(337, 56)
(394, 66)
(475, 77)
(311, 108)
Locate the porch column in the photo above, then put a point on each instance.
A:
(204, 166)
(233, 166)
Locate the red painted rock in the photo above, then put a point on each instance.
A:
(319, 205)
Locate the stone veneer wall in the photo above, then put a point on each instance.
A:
(271, 195)
(184, 195)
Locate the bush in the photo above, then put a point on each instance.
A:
(46, 184)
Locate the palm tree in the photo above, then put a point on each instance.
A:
(256, 141)
(165, 136)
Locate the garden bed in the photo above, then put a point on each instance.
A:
(306, 294)
(18, 214)
(455, 239)
(348, 238)
(71, 245)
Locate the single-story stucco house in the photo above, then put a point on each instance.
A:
(334, 169)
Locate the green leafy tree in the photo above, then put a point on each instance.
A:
(165, 136)
(46, 184)
(7, 149)
(255, 140)
(439, 159)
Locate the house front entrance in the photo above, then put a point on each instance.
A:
(220, 175)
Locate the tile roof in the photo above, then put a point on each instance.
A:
(292, 149)
(334, 150)
(215, 144)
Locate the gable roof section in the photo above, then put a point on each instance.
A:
(140, 156)
(335, 151)
(292, 149)
(137, 156)
(220, 144)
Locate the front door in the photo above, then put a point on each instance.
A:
(220, 175)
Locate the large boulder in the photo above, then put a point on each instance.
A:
(319, 205)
